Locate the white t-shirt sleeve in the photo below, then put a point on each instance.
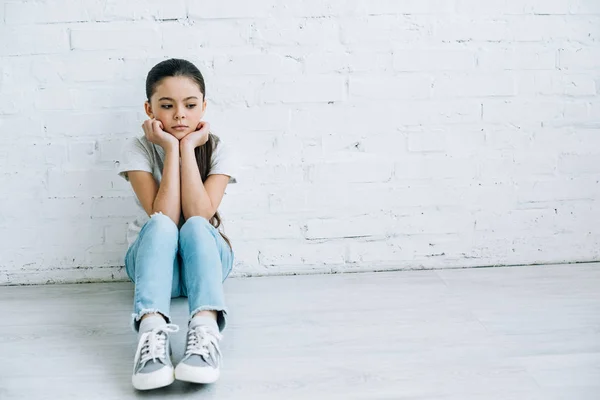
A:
(224, 162)
(134, 157)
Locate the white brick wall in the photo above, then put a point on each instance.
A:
(374, 134)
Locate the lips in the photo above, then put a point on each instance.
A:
(180, 127)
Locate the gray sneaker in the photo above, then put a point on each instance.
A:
(202, 360)
(152, 366)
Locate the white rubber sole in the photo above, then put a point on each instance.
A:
(154, 380)
(186, 373)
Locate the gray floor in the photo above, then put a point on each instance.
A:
(488, 334)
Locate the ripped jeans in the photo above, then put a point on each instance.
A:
(166, 262)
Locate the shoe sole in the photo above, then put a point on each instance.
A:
(154, 380)
(187, 373)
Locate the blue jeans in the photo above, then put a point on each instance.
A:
(166, 262)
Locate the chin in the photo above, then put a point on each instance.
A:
(178, 135)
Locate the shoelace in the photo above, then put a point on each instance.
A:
(201, 340)
(156, 342)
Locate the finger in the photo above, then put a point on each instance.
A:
(156, 126)
(147, 127)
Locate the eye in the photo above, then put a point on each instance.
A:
(166, 106)
(191, 105)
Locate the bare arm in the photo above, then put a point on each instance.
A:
(197, 198)
(167, 197)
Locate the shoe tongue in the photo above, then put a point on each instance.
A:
(204, 321)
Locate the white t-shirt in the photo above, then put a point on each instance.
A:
(140, 155)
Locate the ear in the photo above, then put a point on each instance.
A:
(148, 109)
(204, 104)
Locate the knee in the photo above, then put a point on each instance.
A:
(196, 227)
(159, 222)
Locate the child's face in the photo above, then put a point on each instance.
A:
(178, 104)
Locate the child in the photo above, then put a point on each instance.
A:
(179, 172)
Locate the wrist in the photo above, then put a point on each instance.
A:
(171, 147)
(186, 146)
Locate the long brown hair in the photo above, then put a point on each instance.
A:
(177, 67)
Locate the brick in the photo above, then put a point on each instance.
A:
(82, 154)
(435, 166)
(479, 8)
(29, 183)
(19, 41)
(208, 34)
(116, 233)
(522, 111)
(352, 227)
(314, 32)
(47, 154)
(33, 126)
(107, 255)
(273, 174)
(94, 182)
(243, 198)
(578, 164)
(202, 9)
(433, 221)
(234, 120)
(234, 91)
(545, 7)
(302, 90)
(340, 119)
(82, 124)
(290, 256)
(383, 7)
(431, 141)
(507, 57)
(562, 188)
(568, 140)
(585, 7)
(386, 32)
(433, 60)
(138, 9)
(115, 38)
(383, 145)
(71, 209)
(537, 28)
(109, 96)
(315, 8)
(84, 233)
(329, 62)
(579, 59)
(105, 207)
(480, 85)
(44, 13)
(465, 29)
(551, 83)
(56, 99)
(256, 64)
(287, 198)
(13, 103)
(368, 170)
(401, 87)
(269, 228)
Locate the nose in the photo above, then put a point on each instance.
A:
(179, 113)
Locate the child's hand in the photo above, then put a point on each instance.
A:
(197, 138)
(153, 129)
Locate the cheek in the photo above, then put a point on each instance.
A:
(160, 113)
